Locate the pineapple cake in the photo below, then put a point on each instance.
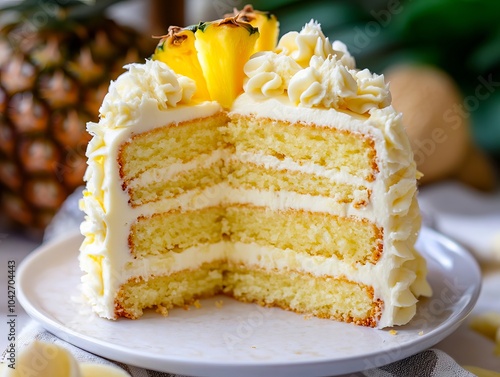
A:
(53, 77)
(272, 171)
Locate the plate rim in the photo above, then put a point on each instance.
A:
(187, 365)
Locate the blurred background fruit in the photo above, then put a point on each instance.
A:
(441, 138)
(56, 61)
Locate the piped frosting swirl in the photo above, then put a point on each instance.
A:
(310, 42)
(329, 82)
(313, 72)
(269, 74)
(151, 80)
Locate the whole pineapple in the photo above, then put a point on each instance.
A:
(56, 61)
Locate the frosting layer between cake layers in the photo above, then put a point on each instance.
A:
(240, 182)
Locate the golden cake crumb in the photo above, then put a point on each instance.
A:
(219, 303)
(162, 310)
(393, 332)
(197, 304)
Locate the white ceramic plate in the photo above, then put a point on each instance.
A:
(240, 339)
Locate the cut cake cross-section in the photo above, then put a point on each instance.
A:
(295, 188)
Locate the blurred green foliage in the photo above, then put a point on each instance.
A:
(461, 37)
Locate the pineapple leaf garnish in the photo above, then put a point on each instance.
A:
(192, 28)
(201, 26)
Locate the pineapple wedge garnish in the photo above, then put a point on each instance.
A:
(177, 50)
(266, 22)
(213, 54)
(224, 46)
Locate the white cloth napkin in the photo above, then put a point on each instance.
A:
(429, 363)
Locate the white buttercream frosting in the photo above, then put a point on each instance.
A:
(269, 74)
(315, 73)
(372, 92)
(325, 83)
(308, 80)
(151, 80)
(310, 41)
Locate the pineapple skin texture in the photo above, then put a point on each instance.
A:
(52, 82)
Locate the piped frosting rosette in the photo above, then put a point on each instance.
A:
(313, 72)
(311, 41)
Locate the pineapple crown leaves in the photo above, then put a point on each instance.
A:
(192, 28)
(58, 11)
